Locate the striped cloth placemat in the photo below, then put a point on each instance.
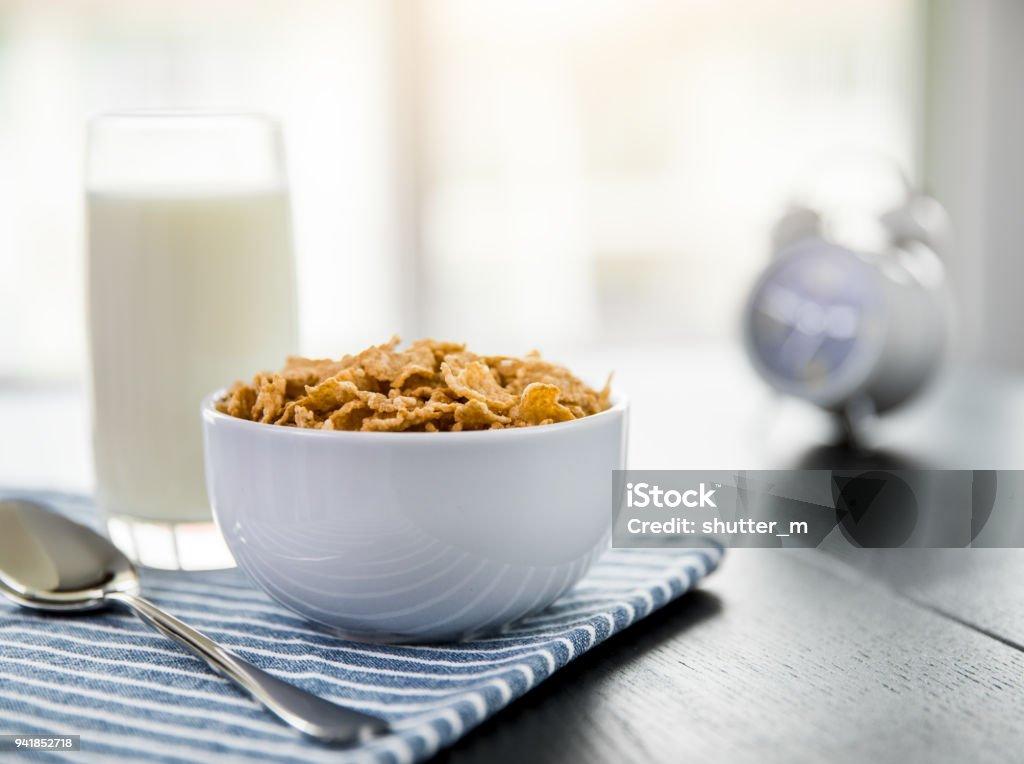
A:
(133, 695)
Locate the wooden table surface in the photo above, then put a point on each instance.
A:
(782, 655)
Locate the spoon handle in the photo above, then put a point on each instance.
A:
(312, 715)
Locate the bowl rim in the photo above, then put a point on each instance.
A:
(619, 406)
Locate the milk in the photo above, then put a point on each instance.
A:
(188, 291)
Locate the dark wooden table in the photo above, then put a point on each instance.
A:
(799, 655)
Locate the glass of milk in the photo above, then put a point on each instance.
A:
(191, 286)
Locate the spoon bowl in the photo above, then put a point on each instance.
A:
(48, 562)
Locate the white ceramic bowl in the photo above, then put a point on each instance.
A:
(414, 536)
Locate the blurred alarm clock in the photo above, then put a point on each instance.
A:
(856, 323)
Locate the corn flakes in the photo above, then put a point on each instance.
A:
(429, 387)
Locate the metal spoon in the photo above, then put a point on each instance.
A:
(48, 562)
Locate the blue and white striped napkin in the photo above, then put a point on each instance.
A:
(132, 694)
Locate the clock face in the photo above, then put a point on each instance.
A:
(814, 317)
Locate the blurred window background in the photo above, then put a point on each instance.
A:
(542, 172)
(610, 170)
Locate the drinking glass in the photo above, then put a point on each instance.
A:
(190, 286)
